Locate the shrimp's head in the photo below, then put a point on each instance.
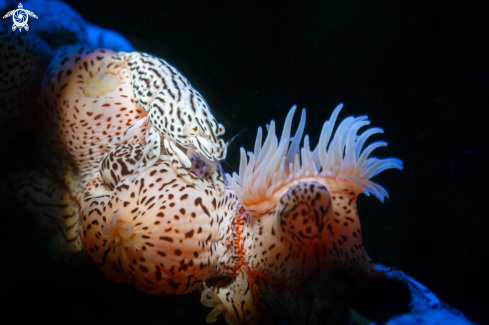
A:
(189, 122)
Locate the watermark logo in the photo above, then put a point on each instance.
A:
(20, 17)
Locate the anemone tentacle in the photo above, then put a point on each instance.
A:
(274, 163)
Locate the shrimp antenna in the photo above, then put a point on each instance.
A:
(228, 143)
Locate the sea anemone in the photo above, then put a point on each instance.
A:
(88, 98)
(159, 232)
(274, 166)
(301, 215)
(303, 206)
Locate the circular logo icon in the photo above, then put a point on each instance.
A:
(20, 18)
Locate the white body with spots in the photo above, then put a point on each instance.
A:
(176, 111)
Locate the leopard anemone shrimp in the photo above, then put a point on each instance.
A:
(301, 215)
(176, 111)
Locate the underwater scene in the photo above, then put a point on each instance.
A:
(245, 162)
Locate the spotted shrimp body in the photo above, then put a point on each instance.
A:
(176, 111)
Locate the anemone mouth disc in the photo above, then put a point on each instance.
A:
(121, 231)
(102, 83)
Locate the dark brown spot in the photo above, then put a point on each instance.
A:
(189, 234)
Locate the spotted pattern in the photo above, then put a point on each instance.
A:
(158, 232)
(304, 210)
(241, 297)
(174, 226)
(174, 108)
(281, 248)
(118, 164)
(312, 227)
(79, 117)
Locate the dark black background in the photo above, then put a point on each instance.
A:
(419, 69)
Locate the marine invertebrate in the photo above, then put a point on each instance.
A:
(46, 192)
(250, 288)
(78, 89)
(142, 231)
(306, 207)
(82, 85)
(87, 98)
(301, 209)
(159, 232)
(275, 164)
(287, 217)
(75, 96)
(175, 110)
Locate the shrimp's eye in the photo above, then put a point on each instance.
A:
(221, 129)
(190, 129)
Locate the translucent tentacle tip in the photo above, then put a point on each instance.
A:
(210, 299)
